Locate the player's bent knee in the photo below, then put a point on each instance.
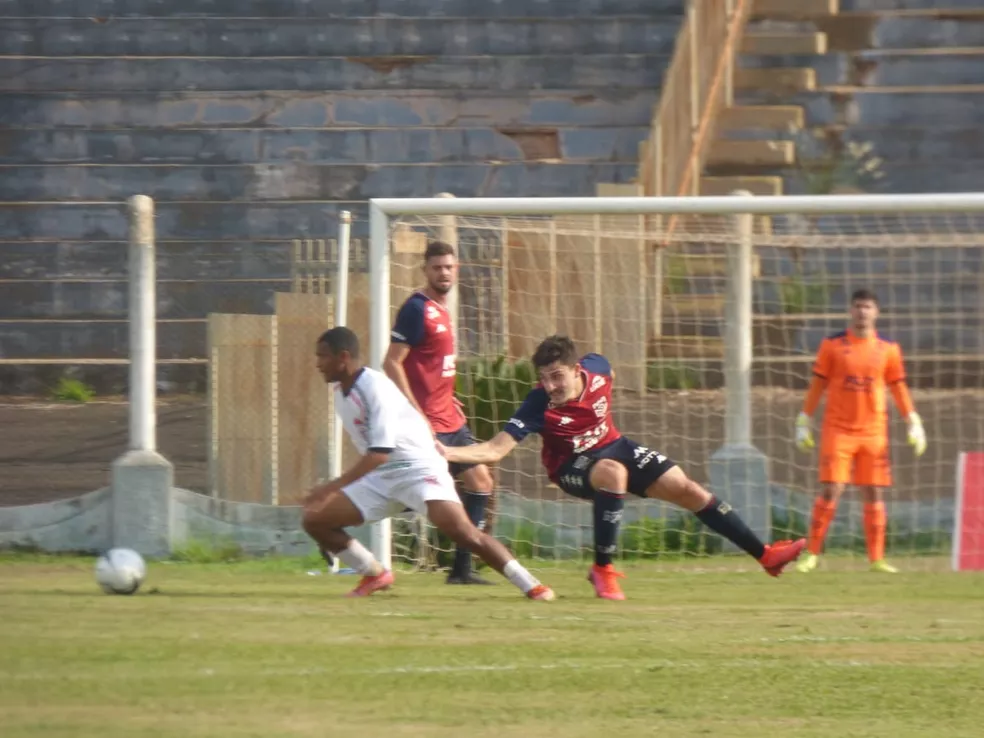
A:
(478, 480)
(609, 475)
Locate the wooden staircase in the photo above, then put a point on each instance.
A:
(743, 147)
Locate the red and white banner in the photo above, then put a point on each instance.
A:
(968, 518)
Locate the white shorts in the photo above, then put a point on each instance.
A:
(386, 492)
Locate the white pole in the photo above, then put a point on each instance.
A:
(449, 234)
(379, 319)
(143, 334)
(738, 333)
(341, 318)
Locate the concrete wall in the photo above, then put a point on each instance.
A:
(254, 122)
(82, 524)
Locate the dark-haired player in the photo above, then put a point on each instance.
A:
(421, 360)
(586, 456)
(398, 469)
(854, 367)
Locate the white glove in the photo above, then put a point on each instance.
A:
(917, 434)
(804, 434)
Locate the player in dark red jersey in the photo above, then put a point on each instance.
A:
(586, 456)
(421, 360)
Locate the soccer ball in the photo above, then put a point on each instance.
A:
(120, 571)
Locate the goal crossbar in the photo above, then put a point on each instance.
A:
(720, 205)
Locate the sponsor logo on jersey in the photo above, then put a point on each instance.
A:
(596, 382)
(590, 439)
(441, 328)
(601, 407)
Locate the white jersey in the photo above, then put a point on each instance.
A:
(378, 417)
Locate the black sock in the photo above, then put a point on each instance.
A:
(719, 517)
(475, 505)
(607, 515)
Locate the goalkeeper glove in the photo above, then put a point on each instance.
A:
(804, 435)
(917, 434)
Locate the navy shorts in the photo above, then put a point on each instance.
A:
(645, 466)
(461, 437)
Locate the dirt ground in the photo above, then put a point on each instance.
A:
(53, 451)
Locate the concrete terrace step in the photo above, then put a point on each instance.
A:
(777, 81)
(317, 109)
(943, 177)
(623, 71)
(773, 117)
(726, 185)
(71, 261)
(299, 37)
(887, 106)
(794, 9)
(887, 5)
(301, 181)
(338, 8)
(770, 42)
(877, 68)
(728, 154)
(936, 28)
(187, 220)
(340, 146)
(90, 339)
(62, 300)
(894, 144)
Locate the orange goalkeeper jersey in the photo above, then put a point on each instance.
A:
(857, 371)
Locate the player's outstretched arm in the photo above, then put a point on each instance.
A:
(895, 377)
(489, 452)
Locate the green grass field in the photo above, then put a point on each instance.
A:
(259, 648)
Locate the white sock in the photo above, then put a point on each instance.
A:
(360, 558)
(518, 575)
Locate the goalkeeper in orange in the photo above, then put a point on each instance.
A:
(854, 367)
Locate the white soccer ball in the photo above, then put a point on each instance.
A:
(120, 571)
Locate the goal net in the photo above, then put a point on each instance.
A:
(675, 303)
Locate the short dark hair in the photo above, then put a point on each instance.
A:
(436, 249)
(340, 339)
(555, 348)
(864, 294)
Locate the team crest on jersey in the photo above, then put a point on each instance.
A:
(596, 382)
(601, 406)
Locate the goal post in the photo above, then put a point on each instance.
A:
(711, 309)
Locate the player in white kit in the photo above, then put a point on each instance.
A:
(400, 468)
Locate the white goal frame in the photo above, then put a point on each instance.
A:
(382, 209)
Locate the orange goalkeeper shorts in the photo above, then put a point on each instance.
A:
(846, 458)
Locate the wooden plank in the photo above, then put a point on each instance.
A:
(304, 402)
(242, 462)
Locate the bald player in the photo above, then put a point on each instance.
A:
(855, 367)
